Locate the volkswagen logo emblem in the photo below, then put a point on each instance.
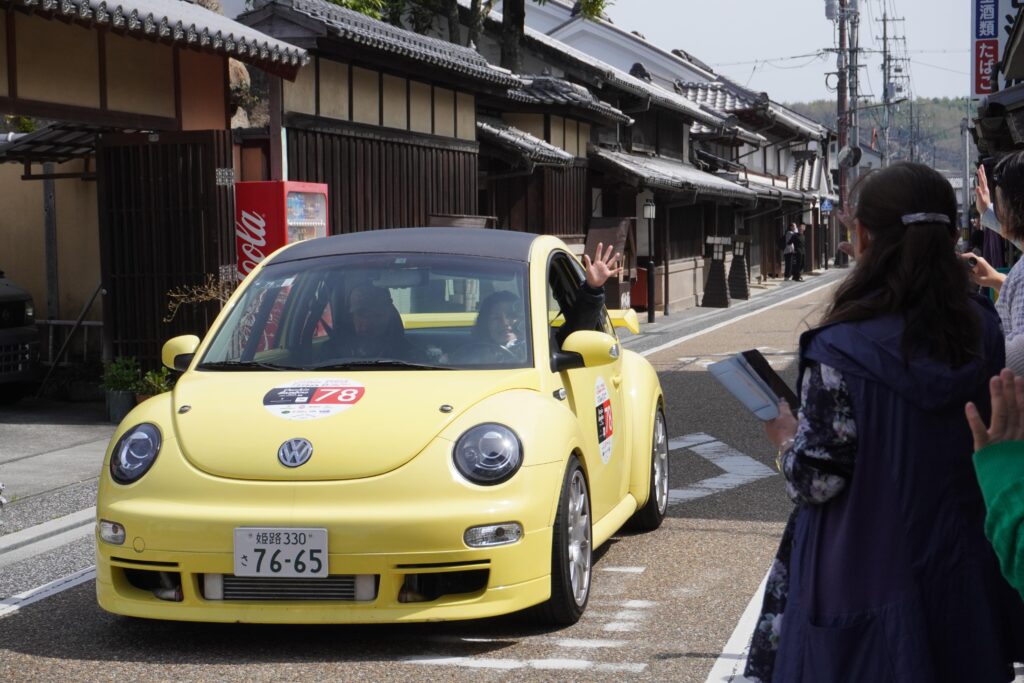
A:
(295, 452)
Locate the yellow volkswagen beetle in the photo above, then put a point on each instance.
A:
(389, 426)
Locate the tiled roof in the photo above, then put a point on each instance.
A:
(668, 174)
(555, 91)
(178, 23)
(664, 98)
(766, 188)
(807, 173)
(727, 96)
(363, 31)
(522, 143)
(717, 96)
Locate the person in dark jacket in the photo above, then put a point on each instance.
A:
(376, 330)
(884, 573)
(799, 251)
(788, 250)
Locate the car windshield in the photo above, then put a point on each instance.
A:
(378, 312)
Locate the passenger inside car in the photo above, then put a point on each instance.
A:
(496, 333)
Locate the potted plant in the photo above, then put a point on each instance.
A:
(120, 379)
(152, 383)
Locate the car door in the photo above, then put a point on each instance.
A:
(594, 394)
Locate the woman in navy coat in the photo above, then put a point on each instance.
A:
(884, 573)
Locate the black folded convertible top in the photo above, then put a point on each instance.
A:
(465, 241)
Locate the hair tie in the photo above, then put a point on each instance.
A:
(912, 218)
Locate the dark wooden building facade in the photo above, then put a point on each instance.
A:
(384, 116)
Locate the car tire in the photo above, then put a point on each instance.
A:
(650, 516)
(571, 551)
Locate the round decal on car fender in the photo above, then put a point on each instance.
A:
(311, 399)
(605, 423)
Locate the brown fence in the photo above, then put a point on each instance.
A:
(165, 222)
(550, 201)
(382, 179)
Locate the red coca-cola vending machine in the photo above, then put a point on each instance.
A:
(270, 214)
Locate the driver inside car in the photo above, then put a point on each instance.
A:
(376, 330)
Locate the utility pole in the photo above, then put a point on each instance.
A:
(854, 13)
(886, 86)
(841, 112)
(913, 131)
(965, 128)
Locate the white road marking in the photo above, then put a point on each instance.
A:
(680, 340)
(467, 662)
(739, 469)
(630, 615)
(561, 664)
(620, 626)
(510, 664)
(15, 602)
(571, 643)
(624, 570)
(636, 668)
(639, 604)
(730, 664)
(588, 644)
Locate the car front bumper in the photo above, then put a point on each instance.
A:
(388, 528)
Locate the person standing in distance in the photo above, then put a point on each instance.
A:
(788, 250)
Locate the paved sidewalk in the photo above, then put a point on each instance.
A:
(48, 445)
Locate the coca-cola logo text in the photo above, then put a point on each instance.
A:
(251, 234)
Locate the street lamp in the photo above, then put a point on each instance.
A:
(650, 211)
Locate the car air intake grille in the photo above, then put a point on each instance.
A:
(12, 314)
(259, 588)
(17, 357)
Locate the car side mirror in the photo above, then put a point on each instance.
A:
(592, 349)
(178, 352)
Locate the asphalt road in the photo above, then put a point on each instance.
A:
(665, 605)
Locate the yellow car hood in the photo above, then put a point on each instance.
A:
(360, 424)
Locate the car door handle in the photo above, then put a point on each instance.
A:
(617, 380)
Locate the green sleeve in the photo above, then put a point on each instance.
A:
(1000, 470)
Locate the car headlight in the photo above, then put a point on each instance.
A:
(134, 453)
(488, 454)
(30, 312)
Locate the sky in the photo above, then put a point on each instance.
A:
(753, 41)
(745, 39)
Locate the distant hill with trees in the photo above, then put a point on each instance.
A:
(935, 132)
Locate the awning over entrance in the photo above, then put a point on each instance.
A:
(770, 191)
(57, 143)
(667, 174)
(179, 23)
(521, 144)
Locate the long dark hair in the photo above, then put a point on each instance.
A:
(480, 327)
(911, 270)
(1009, 178)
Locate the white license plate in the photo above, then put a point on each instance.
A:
(280, 552)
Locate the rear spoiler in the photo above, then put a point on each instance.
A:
(625, 317)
